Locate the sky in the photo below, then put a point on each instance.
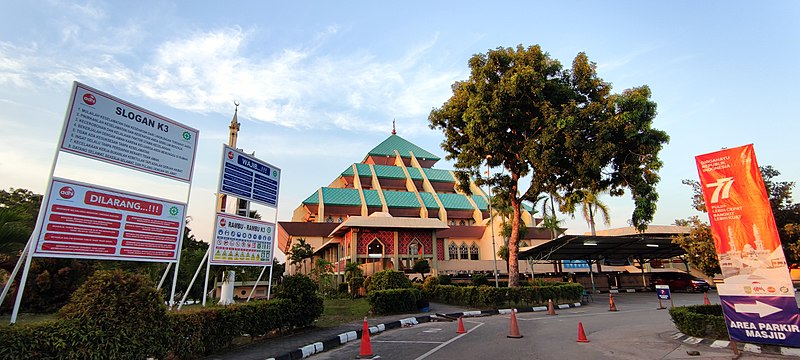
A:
(320, 82)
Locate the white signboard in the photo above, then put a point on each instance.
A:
(105, 128)
(91, 222)
(247, 178)
(242, 241)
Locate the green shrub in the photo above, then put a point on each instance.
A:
(705, 321)
(444, 279)
(125, 312)
(393, 301)
(296, 288)
(84, 330)
(489, 296)
(480, 279)
(386, 280)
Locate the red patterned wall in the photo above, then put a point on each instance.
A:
(405, 237)
(365, 237)
(440, 249)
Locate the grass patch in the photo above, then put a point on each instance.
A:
(342, 311)
(26, 318)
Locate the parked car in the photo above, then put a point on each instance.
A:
(679, 281)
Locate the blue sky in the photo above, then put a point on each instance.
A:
(319, 82)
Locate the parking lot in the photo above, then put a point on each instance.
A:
(637, 331)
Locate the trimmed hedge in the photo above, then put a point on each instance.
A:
(387, 279)
(394, 301)
(706, 321)
(184, 335)
(486, 296)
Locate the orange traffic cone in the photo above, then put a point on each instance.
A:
(514, 328)
(612, 306)
(366, 347)
(581, 334)
(461, 329)
(705, 299)
(550, 309)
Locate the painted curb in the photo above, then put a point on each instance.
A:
(724, 344)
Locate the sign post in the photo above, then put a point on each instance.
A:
(78, 220)
(663, 294)
(758, 298)
(238, 240)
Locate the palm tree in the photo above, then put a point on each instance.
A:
(300, 252)
(591, 206)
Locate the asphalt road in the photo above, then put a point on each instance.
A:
(637, 331)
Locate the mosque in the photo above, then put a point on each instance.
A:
(393, 208)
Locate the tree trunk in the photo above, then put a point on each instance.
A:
(513, 241)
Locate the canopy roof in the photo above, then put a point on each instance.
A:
(655, 243)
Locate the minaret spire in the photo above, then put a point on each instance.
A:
(394, 131)
(234, 126)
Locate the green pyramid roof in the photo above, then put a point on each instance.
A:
(403, 146)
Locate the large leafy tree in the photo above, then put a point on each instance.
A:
(699, 246)
(558, 130)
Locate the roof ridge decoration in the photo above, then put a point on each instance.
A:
(396, 143)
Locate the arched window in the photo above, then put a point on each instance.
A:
(463, 250)
(415, 249)
(523, 244)
(375, 249)
(329, 219)
(473, 252)
(339, 220)
(452, 250)
(462, 223)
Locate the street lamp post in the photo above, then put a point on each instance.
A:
(491, 224)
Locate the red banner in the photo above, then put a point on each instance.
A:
(757, 298)
(740, 215)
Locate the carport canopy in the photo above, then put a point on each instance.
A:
(615, 244)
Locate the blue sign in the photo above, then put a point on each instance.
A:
(575, 264)
(248, 178)
(762, 319)
(663, 292)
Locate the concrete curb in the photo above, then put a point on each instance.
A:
(343, 338)
(724, 344)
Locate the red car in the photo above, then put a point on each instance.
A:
(679, 281)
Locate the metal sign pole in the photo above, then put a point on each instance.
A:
(40, 217)
(163, 277)
(252, 291)
(179, 251)
(199, 266)
(13, 275)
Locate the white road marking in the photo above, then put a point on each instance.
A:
(408, 342)
(434, 350)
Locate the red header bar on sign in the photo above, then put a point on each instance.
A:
(122, 203)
